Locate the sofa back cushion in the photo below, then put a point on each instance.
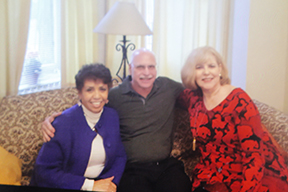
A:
(276, 123)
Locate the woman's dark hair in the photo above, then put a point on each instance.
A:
(93, 71)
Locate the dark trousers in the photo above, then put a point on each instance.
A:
(164, 176)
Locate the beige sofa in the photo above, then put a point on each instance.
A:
(21, 117)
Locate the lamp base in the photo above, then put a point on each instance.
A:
(124, 61)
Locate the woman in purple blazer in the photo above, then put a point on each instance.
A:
(86, 152)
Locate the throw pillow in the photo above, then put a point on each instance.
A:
(10, 167)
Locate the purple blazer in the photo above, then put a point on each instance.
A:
(61, 162)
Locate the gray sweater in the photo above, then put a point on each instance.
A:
(146, 123)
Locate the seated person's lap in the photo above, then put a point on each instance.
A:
(166, 176)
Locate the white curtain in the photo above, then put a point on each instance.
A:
(181, 26)
(14, 23)
(79, 45)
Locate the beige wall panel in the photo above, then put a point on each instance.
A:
(267, 62)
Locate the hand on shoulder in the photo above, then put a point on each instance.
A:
(46, 127)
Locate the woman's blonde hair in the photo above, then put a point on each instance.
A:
(197, 56)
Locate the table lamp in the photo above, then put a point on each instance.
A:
(123, 19)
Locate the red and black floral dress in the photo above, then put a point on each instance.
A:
(234, 148)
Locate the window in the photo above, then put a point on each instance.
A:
(42, 64)
(41, 68)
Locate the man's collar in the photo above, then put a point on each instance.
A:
(126, 85)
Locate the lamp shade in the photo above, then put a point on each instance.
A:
(123, 19)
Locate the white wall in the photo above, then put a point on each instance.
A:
(259, 50)
(237, 56)
(267, 60)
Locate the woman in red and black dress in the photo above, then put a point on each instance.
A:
(236, 153)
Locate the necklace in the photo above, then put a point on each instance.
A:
(196, 127)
